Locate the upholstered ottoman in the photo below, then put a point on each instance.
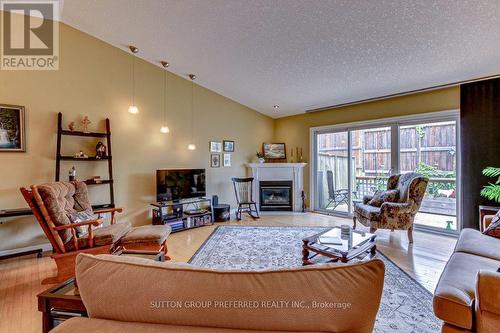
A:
(147, 238)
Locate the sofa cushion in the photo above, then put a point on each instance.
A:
(384, 196)
(368, 212)
(86, 325)
(454, 295)
(134, 289)
(81, 216)
(474, 242)
(57, 198)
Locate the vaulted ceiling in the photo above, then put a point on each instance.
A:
(303, 54)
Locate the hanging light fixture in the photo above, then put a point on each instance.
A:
(191, 145)
(164, 128)
(133, 109)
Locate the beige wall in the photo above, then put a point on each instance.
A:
(94, 79)
(294, 130)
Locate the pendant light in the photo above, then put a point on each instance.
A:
(191, 145)
(133, 109)
(164, 128)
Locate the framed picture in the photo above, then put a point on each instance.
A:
(274, 150)
(215, 160)
(12, 135)
(228, 145)
(215, 146)
(227, 160)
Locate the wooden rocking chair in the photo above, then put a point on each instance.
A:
(50, 203)
(243, 191)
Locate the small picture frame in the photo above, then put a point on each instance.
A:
(228, 146)
(215, 160)
(274, 151)
(12, 134)
(215, 146)
(226, 162)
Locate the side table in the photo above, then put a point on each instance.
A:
(63, 301)
(222, 212)
(486, 210)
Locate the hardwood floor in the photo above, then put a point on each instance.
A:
(20, 277)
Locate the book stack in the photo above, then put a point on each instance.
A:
(176, 225)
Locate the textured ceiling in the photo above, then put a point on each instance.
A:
(303, 54)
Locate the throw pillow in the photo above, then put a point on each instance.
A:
(493, 229)
(384, 196)
(81, 216)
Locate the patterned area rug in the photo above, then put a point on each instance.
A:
(406, 306)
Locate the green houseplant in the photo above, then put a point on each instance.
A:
(492, 190)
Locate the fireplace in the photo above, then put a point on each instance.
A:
(276, 195)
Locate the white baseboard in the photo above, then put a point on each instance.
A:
(44, 247)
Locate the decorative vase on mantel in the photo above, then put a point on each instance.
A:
(260, 156)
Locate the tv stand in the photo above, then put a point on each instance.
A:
(185, 214)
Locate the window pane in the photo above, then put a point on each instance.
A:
(371, 150)
(430, 149)
(332, 172)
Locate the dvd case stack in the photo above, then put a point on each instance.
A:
(176, 225)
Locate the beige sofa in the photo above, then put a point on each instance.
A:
(138, 295)
(467, 297)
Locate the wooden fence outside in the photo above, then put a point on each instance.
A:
(431, 144)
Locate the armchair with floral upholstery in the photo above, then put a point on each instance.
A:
(397, 215)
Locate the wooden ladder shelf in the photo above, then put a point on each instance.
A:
(107, 135)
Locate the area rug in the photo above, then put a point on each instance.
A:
(406, 306)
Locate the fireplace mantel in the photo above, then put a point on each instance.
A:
(279, 171)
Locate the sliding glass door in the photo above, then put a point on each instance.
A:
(332, 175)
(430, 148)
(355, 160)
(349, 165)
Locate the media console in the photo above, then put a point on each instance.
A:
(184, 214)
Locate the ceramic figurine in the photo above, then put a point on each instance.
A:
(100, 150)
(80, 154)
(71, 126)
(72, 173)
(85, 124)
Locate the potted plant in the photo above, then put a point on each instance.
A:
(492, 191)
(260, 156)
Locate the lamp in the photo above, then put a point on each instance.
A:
(191, 145)
(164, 128)
(133, 109)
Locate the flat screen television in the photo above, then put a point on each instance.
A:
(178, 184)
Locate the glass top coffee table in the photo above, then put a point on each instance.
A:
(338, 246)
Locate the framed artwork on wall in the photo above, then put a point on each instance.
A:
(215, 160)
(227, 160)
(12, 133)
(215, 146)
(228, 145)
(274, 151)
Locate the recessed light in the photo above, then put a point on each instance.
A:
(276, 107)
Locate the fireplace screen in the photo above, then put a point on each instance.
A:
(275, 195)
